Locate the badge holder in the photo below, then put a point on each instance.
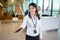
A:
(35, 31)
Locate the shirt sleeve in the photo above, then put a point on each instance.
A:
(40, 29)
(24, 23)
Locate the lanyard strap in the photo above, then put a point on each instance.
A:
(34, 23)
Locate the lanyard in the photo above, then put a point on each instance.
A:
(34, 23)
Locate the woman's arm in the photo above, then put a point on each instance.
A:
(23, 25)
(40, 35)
(40, 29)
(18, 30)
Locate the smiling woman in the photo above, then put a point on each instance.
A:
(33, 23)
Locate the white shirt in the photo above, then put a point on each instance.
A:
(30, 27)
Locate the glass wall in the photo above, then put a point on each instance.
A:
(48, 7)
(55, 7)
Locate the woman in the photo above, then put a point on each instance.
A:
(39, 11)
(32, 21)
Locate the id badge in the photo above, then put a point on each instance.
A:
(35, 31)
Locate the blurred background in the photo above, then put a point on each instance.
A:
(12, 13)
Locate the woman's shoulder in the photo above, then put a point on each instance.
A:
(26, 16)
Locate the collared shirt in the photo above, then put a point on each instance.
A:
(30, 27)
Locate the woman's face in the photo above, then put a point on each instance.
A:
(32, 9)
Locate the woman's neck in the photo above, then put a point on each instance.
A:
(33, 15)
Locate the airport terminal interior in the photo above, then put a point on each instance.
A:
(12, 13)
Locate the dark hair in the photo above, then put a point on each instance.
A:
(34, 5)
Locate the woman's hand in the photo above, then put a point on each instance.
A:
(18, 30)
(40, 38)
